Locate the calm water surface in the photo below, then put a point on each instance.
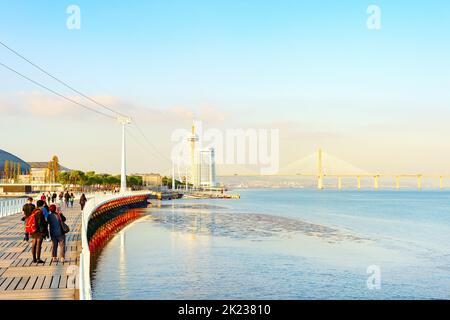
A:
(283, 244)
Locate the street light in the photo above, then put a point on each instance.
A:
(123, 176)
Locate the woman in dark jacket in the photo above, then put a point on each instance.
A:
(83, 201)
(55, 221)
(38, 235)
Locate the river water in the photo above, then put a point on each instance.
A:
(284, 244)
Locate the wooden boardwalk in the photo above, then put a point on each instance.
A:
(22, 279)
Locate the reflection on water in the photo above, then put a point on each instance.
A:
(209, 219)
(304, 245)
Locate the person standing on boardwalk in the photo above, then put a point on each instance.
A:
(72, 199)
(43, 197)
(36, 226)
(27, 209)
(56, 222)
(66, 198)
(54, 196)
(83, 201)
(61, 199)
(46, 213)
(49, 197)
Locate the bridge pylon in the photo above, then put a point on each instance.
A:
(320, 170)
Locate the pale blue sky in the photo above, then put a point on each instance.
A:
(313, 64)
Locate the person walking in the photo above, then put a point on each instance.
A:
(49, 197)
(61, 197)
(83, 201)
(36, 226)
(43, 197)
(72, 199)
(54, 196)
(66, 199)
(27, 209)
(56, 222)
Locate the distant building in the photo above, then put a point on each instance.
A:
(203, 164)
(40, 172)
(206, 168)
(17, 175)
(151, 179)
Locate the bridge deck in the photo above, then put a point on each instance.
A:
(22, 279)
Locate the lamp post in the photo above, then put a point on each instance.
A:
(123, 174)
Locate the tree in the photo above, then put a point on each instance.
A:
(167, 181)
(6, 169)
(49, 172)
(134, 181)
(55, 167)
(18, 171)
(13, 171)
(63, 178)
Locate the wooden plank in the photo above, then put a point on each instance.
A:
(14, 283)
(36, 270)
(5, 284)
(15, 249)
(22, 284)
(63, 282)
(48, 254)
(31, 283)
(6, 263)
(48, 294)
(55, 282)
(47, 282)
(39, 282)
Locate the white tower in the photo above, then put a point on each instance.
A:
(193, 138)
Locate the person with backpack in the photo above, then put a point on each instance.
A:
(58, 230)
(36, 226)
(27, 209)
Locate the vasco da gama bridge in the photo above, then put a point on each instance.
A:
(323, 166)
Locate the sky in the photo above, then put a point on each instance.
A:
(379, 99)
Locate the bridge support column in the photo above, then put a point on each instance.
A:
(397, 182)
(441, 182)
(339, 183)
(320, 170)
(419, 182)
(359, 182)
(173, 175)
(320, 182)
(375, 182)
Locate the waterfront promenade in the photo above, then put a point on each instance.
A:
(22, 279)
